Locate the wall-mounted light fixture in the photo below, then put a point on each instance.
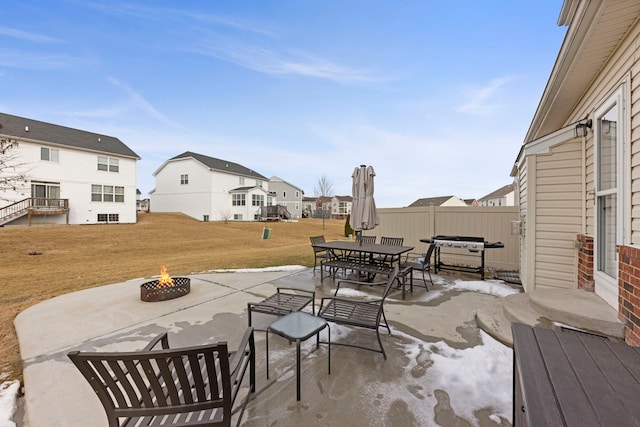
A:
(582, 128)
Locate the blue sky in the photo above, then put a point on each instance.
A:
(437, 96)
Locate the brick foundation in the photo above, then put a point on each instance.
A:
(629, 292)
(585, 263)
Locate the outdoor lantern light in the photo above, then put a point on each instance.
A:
(582, 129)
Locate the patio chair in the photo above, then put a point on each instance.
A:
(319, 253)
(367, 314)
(170, 387)
(390, 241)
(418, 262)
(282, 303)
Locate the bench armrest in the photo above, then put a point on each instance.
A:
(246, 348)
(162, 339)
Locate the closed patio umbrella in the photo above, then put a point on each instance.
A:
(364, 215)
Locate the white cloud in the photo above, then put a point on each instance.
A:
(479, 101)
(281, 62)
(28, 36)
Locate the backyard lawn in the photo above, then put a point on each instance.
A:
(41, 262)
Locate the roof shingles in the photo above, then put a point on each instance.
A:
(21, 128)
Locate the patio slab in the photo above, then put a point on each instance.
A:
(427, 380)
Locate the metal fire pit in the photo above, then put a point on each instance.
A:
(152, 292)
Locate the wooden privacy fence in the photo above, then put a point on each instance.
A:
(494, 223)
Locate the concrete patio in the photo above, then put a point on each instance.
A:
(441, 368)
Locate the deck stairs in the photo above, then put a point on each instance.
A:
(574, 308)
(14, 211)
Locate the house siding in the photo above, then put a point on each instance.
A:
(75, 172)
(193, 199)
(558, 215)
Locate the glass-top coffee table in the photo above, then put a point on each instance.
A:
(299, 326)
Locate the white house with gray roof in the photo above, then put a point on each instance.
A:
(209, 189)
(72, 176)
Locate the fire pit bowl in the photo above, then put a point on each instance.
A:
(153, 291)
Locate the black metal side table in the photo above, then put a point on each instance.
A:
(299, 326)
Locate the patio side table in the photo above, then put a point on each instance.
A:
(299, 326)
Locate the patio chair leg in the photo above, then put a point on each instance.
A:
(381, 347)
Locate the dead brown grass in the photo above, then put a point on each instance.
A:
(41, 262)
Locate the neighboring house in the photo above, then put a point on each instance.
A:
(439, 201)
(209, 189)
(578, 173)
(288, 195)
(471, 202)
(501, 197)
(341, 206)
(309, 206)
(73, 176)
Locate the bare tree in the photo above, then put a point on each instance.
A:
(12, 174)
(324, 193)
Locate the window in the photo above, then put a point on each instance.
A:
(184, 179)
(49, 154)
(107, 193)
(205, 218)
(241, 180)
(609, 218)
(297, 194)
(43, 192)
(119, 195)
(257, 200)
(108, 164)
(237, 217)
(108, 217)
(238, 200)
(284, 194)
(96, 195)
(258, 183)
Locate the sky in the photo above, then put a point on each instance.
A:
(437, 96)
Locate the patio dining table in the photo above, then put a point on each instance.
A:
(359, 256)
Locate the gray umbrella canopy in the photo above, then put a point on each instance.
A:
(364, 215)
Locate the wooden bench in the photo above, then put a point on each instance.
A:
(367, 314)
(564, 377)
(170, 387)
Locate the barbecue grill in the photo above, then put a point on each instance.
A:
(474, 245)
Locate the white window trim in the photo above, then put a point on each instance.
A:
(622, 186)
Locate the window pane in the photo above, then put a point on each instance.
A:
(102, 163)
(607, 150)
(53, 154)
(114, 165)
(44, 153)
(607, 235)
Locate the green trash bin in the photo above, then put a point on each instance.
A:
(266, 233)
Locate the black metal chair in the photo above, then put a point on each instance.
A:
(319, 253)
(389, 241)
(282, 303)
(418, 262)
(364, 314)
(170, 387)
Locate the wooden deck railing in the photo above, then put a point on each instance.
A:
(35, 206)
